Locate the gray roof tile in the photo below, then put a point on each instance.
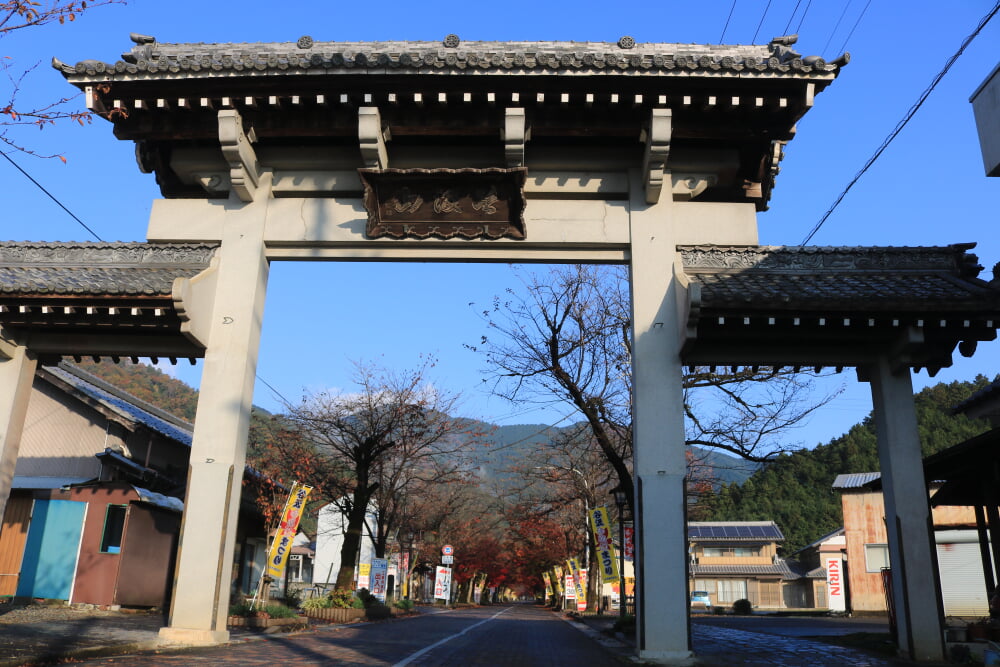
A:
(152, 59)
(98, 269)
(875, 278)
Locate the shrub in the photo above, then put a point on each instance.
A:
(239, 609)
(742, 607)
(341, 599)
(405, 605)
(718, 611)
(317, 603)
(293, 597)
(377, 611)
(275, 610)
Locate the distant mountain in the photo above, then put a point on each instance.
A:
(795, 490)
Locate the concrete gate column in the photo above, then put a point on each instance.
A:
(211, 506)
(658, 433)
(17, 372)
(915, 580)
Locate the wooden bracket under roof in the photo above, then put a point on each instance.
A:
(654, 163)
(238, 151)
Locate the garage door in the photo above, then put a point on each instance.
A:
(963, 589)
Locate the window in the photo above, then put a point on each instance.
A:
(876, 557)
(295, 567)
(114, 528)
(731, 590)
(742, 552)
(707, 585)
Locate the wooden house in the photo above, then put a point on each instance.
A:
(95, 508)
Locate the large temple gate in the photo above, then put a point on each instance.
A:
(653, 155)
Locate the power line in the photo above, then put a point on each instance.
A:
(843, 47)
(763, 16)
(906, 119)
(728, 18)
(276, 392)
(789, 24)
(802, 18)
(836, 25)
(52, 197)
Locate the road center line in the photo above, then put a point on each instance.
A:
(409, 659)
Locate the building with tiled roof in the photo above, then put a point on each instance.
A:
(103, 471)
(734, 560)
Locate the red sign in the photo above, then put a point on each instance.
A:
(447, 550)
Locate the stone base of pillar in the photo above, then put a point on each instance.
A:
(679, 658)
(193, 637)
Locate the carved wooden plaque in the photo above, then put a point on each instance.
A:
(444, 203)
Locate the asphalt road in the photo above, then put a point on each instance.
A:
(499, 636)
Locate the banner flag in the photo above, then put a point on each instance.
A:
(548, 585)
(580, 582)
(281, 547)
(600, 524)
(629, 543)
(364, 575)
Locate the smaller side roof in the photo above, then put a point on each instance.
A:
(127, 406)
(855, 480)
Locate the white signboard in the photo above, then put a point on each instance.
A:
(379, 577)
(442, 583)
(836, 594)
(447, 560)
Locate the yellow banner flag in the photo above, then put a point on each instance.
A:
(281, 547)
(600, 524)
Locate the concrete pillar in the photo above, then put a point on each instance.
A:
(658, 434)
(17, 372)
(208, 530)
(915, 581)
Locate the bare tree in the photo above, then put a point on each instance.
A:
(566, 338)
(372, 446)
(17, 15)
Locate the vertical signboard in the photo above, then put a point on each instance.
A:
(629, 543)
(442, 583)
(379, 575)
(836, 595)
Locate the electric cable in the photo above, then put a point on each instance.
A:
(802, 18)
(906, 119)
(792, 17)
(763, 16)
(726, 27)
(52, 197)
(843, 47)
(836, 25)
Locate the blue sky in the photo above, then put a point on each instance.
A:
(928, 188)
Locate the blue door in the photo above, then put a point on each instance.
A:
(51, 549)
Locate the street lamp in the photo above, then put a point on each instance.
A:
(621, 498)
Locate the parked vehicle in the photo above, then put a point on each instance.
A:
(701, 599)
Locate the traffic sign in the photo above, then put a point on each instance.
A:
(448, 550)
(447, 560)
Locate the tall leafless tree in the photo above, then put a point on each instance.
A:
(566, 338)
